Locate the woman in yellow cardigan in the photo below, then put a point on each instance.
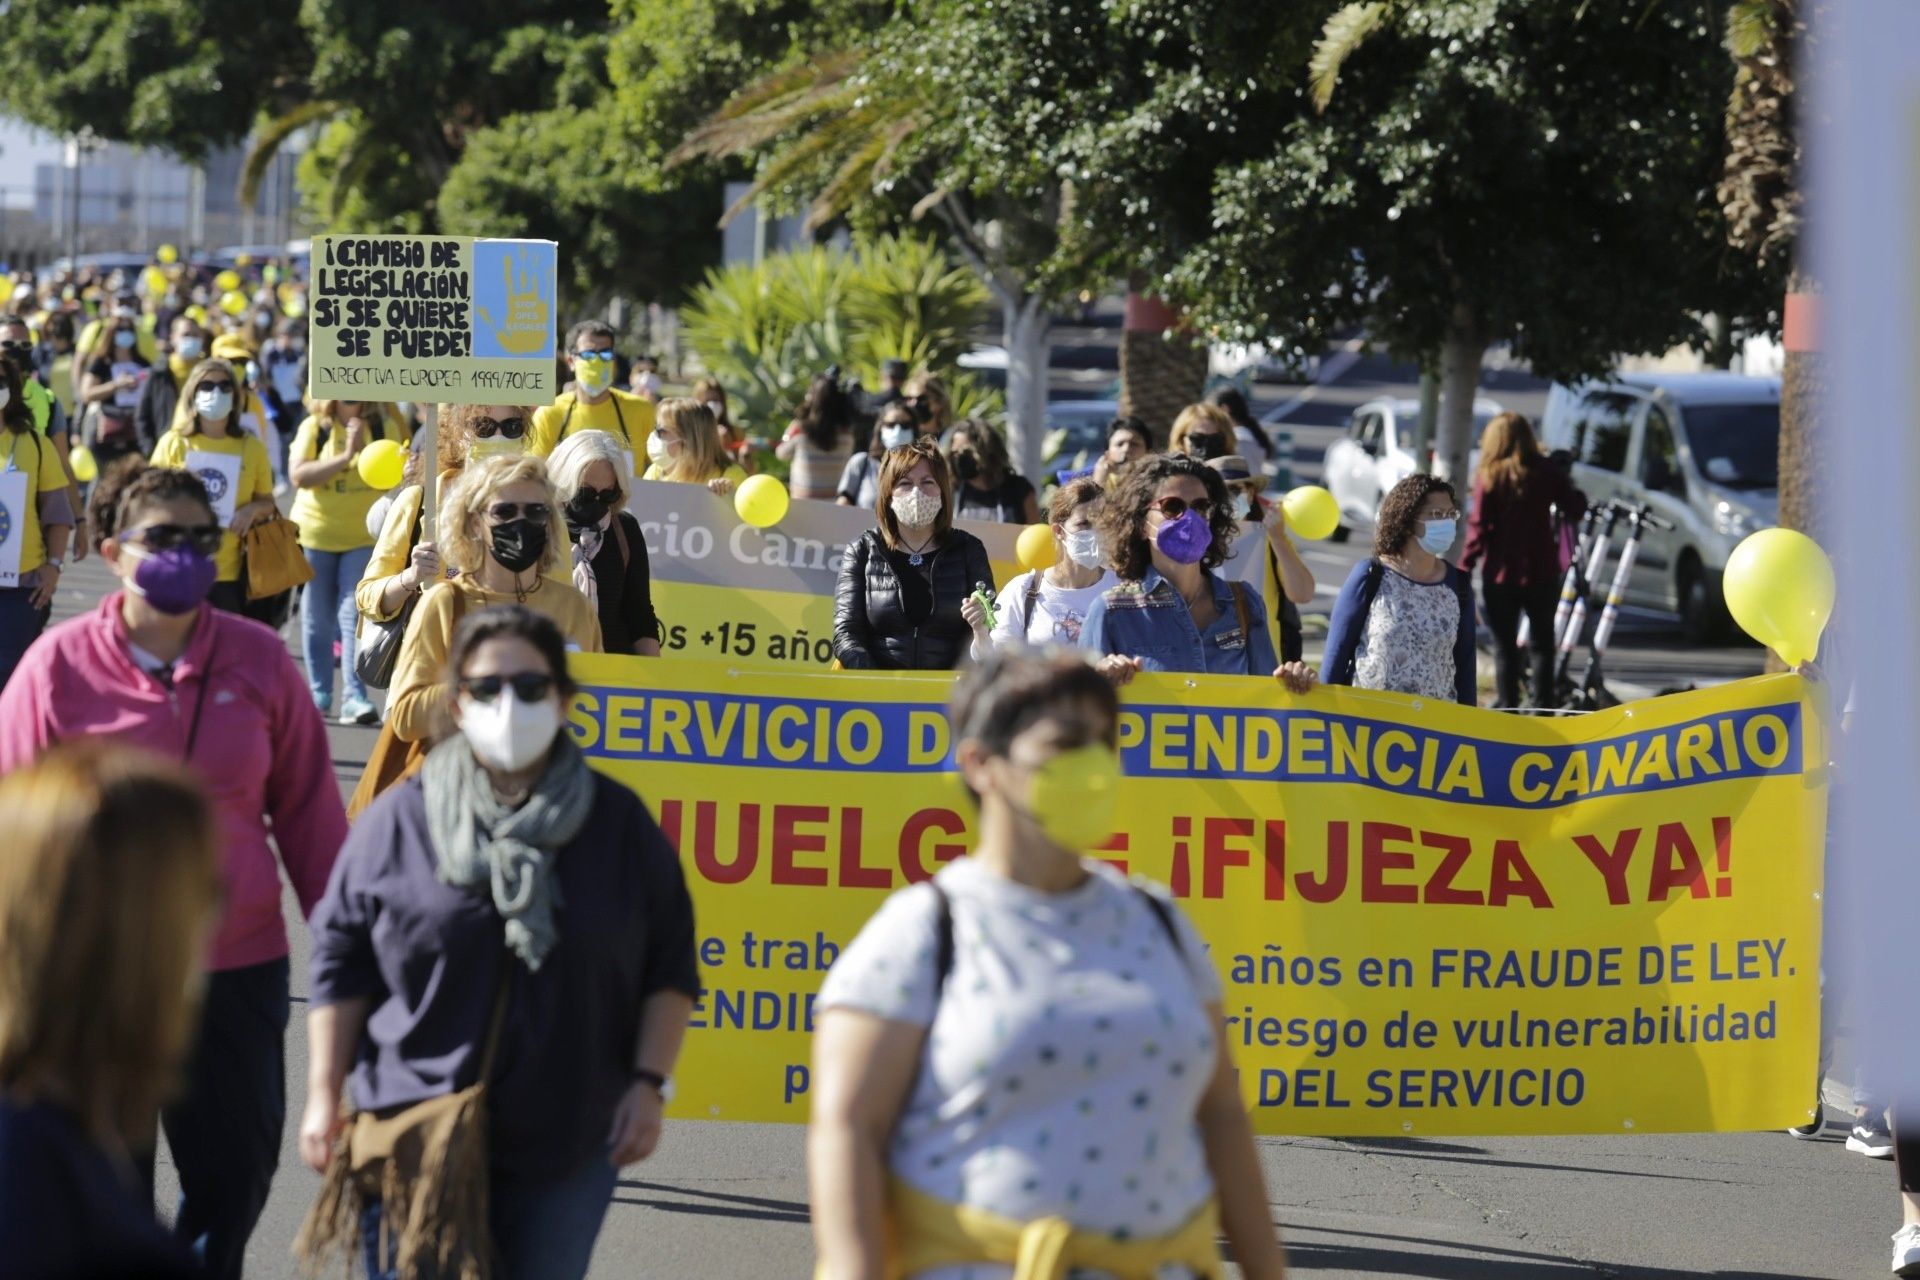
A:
(1020, 1067)
(501, 527)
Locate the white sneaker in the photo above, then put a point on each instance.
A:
(1906, 1250)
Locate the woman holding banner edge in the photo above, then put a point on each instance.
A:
(1167, 525)
(902, 583)
(1030, 1038)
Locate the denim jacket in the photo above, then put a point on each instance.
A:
(1148, 620)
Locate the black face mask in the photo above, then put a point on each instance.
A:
(519, 544)
(1207, 445)
(965, 466)
(585, 510)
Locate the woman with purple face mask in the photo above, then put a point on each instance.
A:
(1167, 526)
(156, 666)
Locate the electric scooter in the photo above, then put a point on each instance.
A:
(1575, 592)
(1592, 695)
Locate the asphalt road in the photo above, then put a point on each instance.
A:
(723, 1201)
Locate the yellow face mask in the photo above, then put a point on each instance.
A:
(495, 447)
(1075, 795)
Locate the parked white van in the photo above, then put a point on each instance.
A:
(1701, 449)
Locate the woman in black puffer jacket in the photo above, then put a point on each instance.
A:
(902, 584)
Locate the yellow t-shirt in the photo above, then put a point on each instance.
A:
(31, 454)
(625, 417)
(733, 473)
(418, 699)
(333, 516)
(144, 340)
(256, 481)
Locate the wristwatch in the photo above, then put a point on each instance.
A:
(661, 1084)
(60, 565)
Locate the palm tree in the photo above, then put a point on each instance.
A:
(834, 131)
(1760, 195)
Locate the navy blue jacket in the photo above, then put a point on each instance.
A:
(1349, 624)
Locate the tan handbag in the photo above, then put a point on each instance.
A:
(427, 1166)
(271, 556)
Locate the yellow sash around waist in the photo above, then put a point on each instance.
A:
(925, 1232)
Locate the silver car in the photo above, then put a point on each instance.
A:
(1702, 450)
(1377, 453)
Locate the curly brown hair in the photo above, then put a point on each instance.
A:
(1400, 511)
(1122, 518)
(129, 486)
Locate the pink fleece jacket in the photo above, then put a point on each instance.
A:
(261, 749)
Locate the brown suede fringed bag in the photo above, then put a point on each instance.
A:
(427, 1166)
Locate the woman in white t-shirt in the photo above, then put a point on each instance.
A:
(1030, 1036)
(1047, 606)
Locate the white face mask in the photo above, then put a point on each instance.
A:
(189, 348)
(1083, 548)
(508, 733)
(6, 395)
(213, 404)
(896, 437)
(1242, 506)
(915, 509)
(719, 410)
(657, 449)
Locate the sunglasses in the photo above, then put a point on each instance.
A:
(15, 344)
(528, 686)
(1173, 508)
(210, 385)
(204, 538)
(510, 428)
(606, 496)
(594, 355)
(538, 512)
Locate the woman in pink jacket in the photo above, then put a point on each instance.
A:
(156, 666)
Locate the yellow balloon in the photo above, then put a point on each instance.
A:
(761, 501)
(1035, 547)
(382, 464)
(86, 469)
(1312, 512)
(167, 254)
(1779, 587)
(233, 302)
(154, 281)
(227, 280)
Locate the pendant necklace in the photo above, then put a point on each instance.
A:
(916, 555)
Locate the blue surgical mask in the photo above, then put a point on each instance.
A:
(1436, 536)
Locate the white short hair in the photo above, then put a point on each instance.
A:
(579, 451)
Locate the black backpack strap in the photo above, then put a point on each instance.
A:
(942, 939)
(1163, 912)
(1033, 598)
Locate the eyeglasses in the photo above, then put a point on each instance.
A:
(538, 512)
(528, 686)
(510, 428)
(594, 355)
(16, 344)
(1173, 508)
(606, 496)
(1441, 515)
(204, 538)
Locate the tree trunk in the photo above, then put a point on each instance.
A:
(1024, 328)
(1804, 466)
(1459, 383)
(1425, 426)
(1161, 373)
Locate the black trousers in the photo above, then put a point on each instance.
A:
(1505, 605)
(224, 1130)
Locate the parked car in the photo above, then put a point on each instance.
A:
(1701, 449)
(1076, 433)
(1377, 453)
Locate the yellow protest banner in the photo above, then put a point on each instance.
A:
(1429, 919)
(445, 319)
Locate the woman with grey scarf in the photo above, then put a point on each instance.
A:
(508, 866)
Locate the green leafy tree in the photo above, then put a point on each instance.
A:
(1486, 171)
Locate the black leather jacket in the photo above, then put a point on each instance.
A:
(870, 626)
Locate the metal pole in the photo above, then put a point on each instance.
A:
(429, 468)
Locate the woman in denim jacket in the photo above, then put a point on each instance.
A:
(1167, 526)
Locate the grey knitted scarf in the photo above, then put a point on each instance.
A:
(481, 841)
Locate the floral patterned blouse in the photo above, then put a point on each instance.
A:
(1409, 640)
